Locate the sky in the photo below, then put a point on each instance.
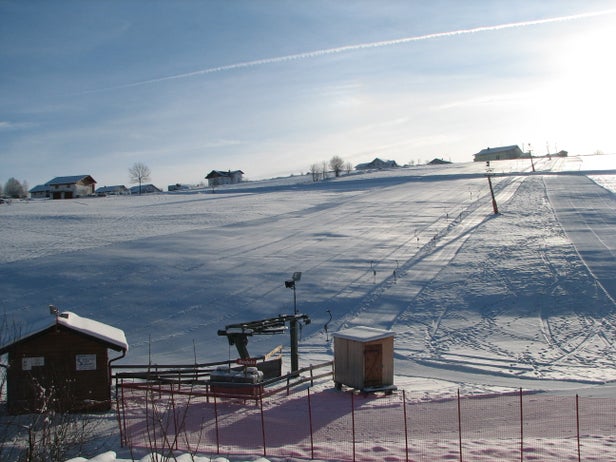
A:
(272, 87)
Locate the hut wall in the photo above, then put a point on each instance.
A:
(349, 360)
(69, 366)
(388, 361)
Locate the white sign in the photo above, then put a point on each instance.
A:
(28, 363)
(85, 362)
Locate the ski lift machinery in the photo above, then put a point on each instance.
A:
(237, 334)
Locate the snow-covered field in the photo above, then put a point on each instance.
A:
(479, 302)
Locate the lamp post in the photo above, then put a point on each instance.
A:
(290, 284)
(293, 324)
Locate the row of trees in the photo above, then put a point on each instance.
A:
(336, 165)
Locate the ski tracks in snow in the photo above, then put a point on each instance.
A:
(381, 307)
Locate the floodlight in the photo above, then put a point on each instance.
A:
(290, 284)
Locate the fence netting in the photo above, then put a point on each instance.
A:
(326, 424)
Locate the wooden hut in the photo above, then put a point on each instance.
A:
(364, 359)
(62, 363)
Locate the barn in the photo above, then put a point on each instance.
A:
(220, 177)
(499, 153)
(70, 187)
(364, 358)
(61, 363)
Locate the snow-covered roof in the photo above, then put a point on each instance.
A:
(377, 163)
(40, 188)
(219, 173)
(118, 187)
(498, 149)
(70, 179)
(363, 334)
(90, 327)
(145, 188)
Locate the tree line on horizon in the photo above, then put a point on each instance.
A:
(336, 164)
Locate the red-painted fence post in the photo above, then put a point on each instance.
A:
(263, 427)
(577, 420)
(310, 423)
(175, 416)
(406, 433)
(353, 422)
(521, 428)
(459, 425)
(216, 422)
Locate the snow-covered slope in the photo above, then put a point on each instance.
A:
(476, 299)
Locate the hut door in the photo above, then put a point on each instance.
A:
(373, 365)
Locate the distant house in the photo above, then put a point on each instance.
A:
(178, 187)
(116, 190)
(500, 153)
(377, 164)
(219, 177)
(65, 353)
(145, 189)
(69, 187)
(40, 191)
(437, 161)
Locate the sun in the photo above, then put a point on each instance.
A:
(577, 103)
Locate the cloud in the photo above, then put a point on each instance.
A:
(349, 48)
(7, 125)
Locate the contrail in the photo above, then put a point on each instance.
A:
(361, 46)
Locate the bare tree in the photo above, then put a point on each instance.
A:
(314, 171)
(324, 169)
(336, 163)
(348, 168)
(139, 173)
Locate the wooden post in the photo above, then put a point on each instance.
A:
(494, 206)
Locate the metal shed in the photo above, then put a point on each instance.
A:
(62, 363)
(364, 359)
